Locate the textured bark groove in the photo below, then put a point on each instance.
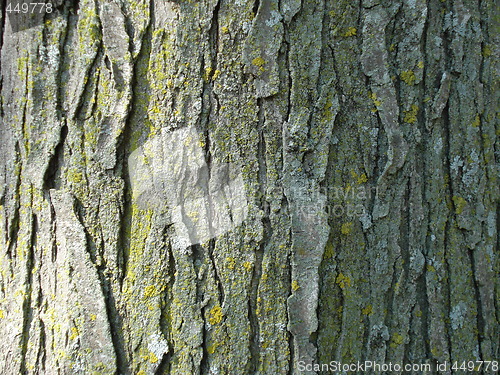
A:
(347, 152)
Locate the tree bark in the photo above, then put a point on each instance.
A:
(249, 187)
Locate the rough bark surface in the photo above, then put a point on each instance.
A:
(366, 137)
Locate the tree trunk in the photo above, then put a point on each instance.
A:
(249, 187)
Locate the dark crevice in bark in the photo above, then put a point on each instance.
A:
(124, 144)
(447, 163)
(447, 38)
(380, 157)
(407, 346)
(199, 259)
(479, 313)
(484, 43)
(390, 299)
(423, 303)
(291, 344)
(116, 325)
(2, 32)
(91, 71)
(41, 356)
(113, 317)
(70, 26)
(13, 226)
(405, 230)
(208, 87)
(129, 29)
(252, 309)
(259, 254)
(163, 367)
(218, 281)
(166, 314)
(52, 176)
(256, 6)
(91, 248)
(288, 84)
(213, 33)
(496, 301)
(204, 366)
(28, 284)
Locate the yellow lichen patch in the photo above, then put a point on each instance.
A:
(329, 250)
(149, 356)
(93, 317)
(408, 77)
(208, 73)
(460, 204)
(74, 333)
(346, 228)
(259, 61)
(351, 31)
(420, 64)
(216, 74)
(373, 97)
(487, 51)
(152, 357)
(2, 314)
(362, 179)
(343, 281)
(211, 348)
(231, 262)
(247, 266)
(477, 122)
(216, 315)
(225, 29)
(295, 285)
(396, 340)
(149, 291)
(411, 115)
(368, 310)
(436, 352)
(74, 176)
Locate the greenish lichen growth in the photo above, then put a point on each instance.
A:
(368, 310)
(476, 122)
(459, 203)
(259, 61)
(396, 340)
(149, 291)
(216, 315)
(408, 77)
(343, 281)
(487, 51)
(351, 31)
(411, 115)
(346, 228)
